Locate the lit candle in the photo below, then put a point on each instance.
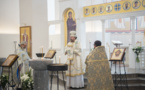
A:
(59, 59)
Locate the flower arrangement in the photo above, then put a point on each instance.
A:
(137, 51)
(4, 80)
(27, 81)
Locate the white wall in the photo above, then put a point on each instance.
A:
(51, 10)
(7, 44)
(16, 13)
(55, 41)
(9, 26)
(34, 13)
(9, 16)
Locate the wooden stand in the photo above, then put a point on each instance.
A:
(7, 64)
(11, 83)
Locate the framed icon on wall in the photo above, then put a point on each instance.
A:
(25, 35)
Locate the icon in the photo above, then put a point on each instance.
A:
(126, 6)
(109, 8)
(101, 9)
(94, 10)
(136, 4)
(87, 11)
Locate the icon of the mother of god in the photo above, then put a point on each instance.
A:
(25, 36)
(71, 25)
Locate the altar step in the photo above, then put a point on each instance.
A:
(132, 87)
(134, 75)
(135, 82)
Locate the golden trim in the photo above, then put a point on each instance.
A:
(70, 45)
(73, 75)
(97, 60)
(70, 64)
(99, 46)
(116, 9)
(70, 59)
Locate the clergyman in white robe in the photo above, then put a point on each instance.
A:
(23, 59)
(75, 71)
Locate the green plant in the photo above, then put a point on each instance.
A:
(27, 81)
(4, 80)
(137, 51)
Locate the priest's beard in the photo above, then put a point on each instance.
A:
(72, 40)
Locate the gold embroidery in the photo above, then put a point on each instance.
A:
(70, 64)
(98, 71)
(70, 59)
(97, 61)
(76, 63)
(73, 75)
(70, 45)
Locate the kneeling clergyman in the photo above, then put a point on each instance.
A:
(75, 71)
(97, 69)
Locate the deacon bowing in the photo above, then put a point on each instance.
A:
(75, 70)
